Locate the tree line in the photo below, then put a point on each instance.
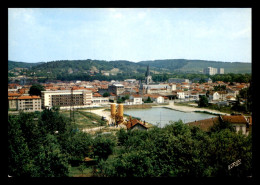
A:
(46, 144)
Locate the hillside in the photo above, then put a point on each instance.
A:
(196, 66)
(13, 64)
(126, 68)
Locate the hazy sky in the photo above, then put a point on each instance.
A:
(134, 34)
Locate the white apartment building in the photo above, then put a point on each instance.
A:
(213, 71)
(66, 98)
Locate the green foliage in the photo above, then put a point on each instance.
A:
(52, 121)
(103, 147)
(149, 100)
(221, 126)
(219, 87)
(203, 101)
(106, 94)
(36, 89)
(78, 146)
(180, 151)
(19, 161)
(50, 162)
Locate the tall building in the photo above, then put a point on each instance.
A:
(66, 98)
(213, 71)
(220, 70)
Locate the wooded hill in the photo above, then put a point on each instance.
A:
(126, 67)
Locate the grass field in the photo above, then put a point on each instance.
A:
(85, 119)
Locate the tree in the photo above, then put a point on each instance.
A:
(19, 160)
(149, 100)
(79, 146)
(103, 147)
(36, 89)
(203, 101)
(228, 147)
(50, 161)
(106, 94)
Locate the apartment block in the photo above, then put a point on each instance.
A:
(29, 103)
(213, 71)
(66, 98)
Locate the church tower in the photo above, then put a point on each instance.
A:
(148, 77)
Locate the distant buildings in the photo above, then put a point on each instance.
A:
(178, 80)
(213, 71)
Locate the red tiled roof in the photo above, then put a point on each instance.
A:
(240, 119)
(134, 122)
(28, 97)
(14, 94)
(97, 95)
(205, 124)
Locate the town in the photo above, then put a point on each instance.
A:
(130, 92)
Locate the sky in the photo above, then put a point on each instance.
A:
(133, 34)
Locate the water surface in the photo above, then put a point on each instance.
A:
(162, 116)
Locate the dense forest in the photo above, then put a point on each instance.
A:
(46, 144)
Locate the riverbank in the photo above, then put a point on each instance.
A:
(193, 109)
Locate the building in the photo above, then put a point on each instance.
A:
(135, 124)
(97, 99)
(148, 77)
(135, 99)
(180, 94)
(220, 70)
(213, 71)
(239, 123)
(210, 71)
(66, 98)
(116, 88)
(29, 103)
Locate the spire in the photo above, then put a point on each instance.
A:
(147, 71)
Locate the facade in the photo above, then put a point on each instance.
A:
(116, 89)
(220, 70)
(210, 71)
(213, 71)
(148, 77)
(136, 99)
(214, 96)
(29, 103)
(97, 99)
(66, 98)
(180, 94)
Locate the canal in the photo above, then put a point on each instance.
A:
(161, 116)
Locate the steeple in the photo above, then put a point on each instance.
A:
(147, 71)
(148, 77)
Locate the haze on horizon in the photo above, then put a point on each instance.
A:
(133, 34)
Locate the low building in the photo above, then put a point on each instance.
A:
(180, 94)
(136, 99)
(29, 103)
(97, 99)
(135, 124)
(239, 122)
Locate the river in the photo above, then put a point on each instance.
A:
(162, 116)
